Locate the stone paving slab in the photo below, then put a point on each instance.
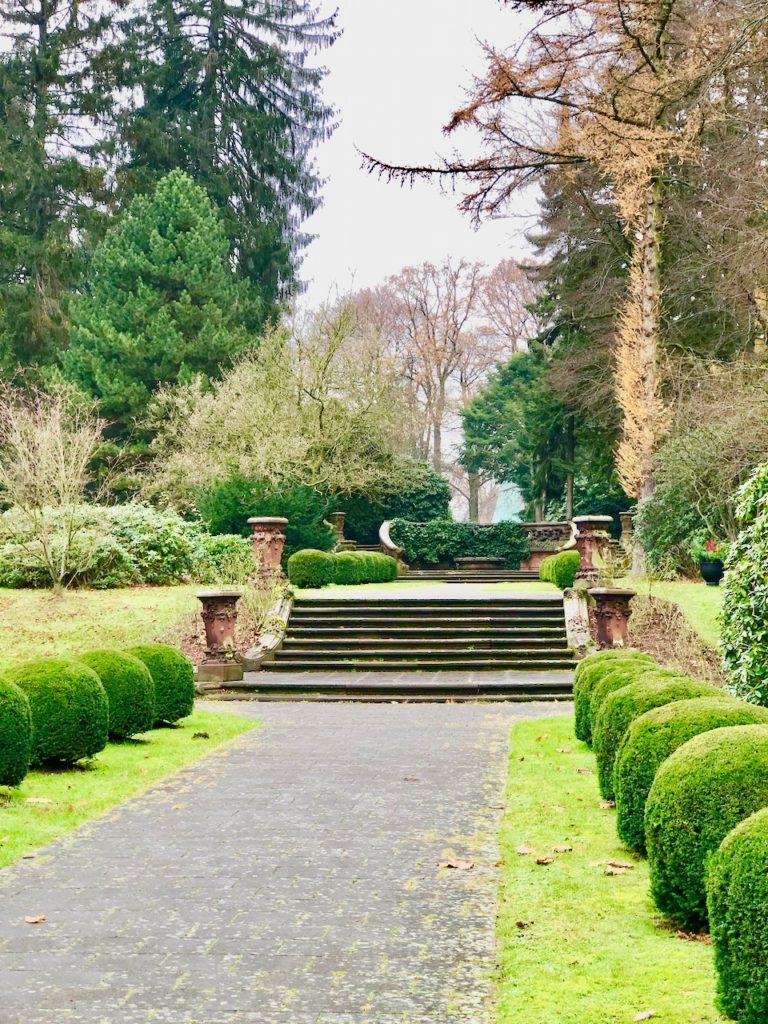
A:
(291, 878)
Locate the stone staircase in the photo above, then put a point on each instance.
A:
(520, 632)
(478, 576)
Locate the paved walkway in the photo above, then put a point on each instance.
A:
(291, 878)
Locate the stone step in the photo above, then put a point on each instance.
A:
(416, 686)
(358, 652)
(450, 662)
(455, 625)
(478, 630)
(426, 643)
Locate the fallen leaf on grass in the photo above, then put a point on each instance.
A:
(524, 850)
(695, 937)
(585, 771)
(499, 864)
(38, 800)
(545, 860)
(613, 870)
(37, 919)
(627, 865)
(564, 750)
(523, 924)
(200, 736)
(521, 758)
(459, 865)
(562, 848)
(606, 805)
(645, 1015)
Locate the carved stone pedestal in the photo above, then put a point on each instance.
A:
(544, 539)
(627, 530)
(593, 543)
(220, 618)
(268, 541)
(612, 611)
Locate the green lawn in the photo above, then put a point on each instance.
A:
(34, 622)
(589, 948)
(701, 604)
(50, 803)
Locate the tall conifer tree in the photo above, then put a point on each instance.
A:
(50, 184)
(226, 92)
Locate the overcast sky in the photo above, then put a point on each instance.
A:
(395, 76)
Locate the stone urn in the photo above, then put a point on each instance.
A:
(593, 542)
(612, 611)
(336, 519)
(220, 618)
(627, 531)
(268, 541)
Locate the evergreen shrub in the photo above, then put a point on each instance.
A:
(15, 733)
(560, 568)
(623, 706)
(130, 690)
(226, 506)
(744, 632)
(588, 674)
(223, 558)
(651, 739)
(619, 677)
(443, 540)
(702, 791)
(320, 568)
(174, 680)
(737, 897)
(69, 708)
(426, 497)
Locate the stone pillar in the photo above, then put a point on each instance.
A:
(627, 531)
(268, 542)
(612, 611)
(592, 543)
(220, 618)
(336, 519)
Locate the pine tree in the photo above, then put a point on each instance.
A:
(50, 183)
(226, 94)
(161, 304)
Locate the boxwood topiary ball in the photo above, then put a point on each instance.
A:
(173, 677)
(588, 674)
(15, 733)
(130, 690)
(700, 793)
(622, 707)
(618, 678)
(70, 713)
(652, 738)
(737, 895)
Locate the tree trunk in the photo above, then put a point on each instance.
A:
(570, 452)
(437, 446)
(473, 480)
(650, 324)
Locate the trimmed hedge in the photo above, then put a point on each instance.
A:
(443, 540)
(651, 739)
(588, 674)
(15, 733)
(319, 568)
(624, 675)
(737, 897)
(130, 690)
(560, 568)
(702, 791)
(70, 712)
(174, 680)
(621, 708)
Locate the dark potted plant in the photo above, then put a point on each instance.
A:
(711, 555)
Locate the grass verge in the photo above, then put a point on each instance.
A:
(700, 604)
(35, 622)
(49, 803)
(589, 947)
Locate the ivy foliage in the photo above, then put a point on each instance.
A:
(444, 540)
(744, 634)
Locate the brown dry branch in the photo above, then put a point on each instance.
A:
(660, 628)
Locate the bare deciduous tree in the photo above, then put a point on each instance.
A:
(47, 444)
